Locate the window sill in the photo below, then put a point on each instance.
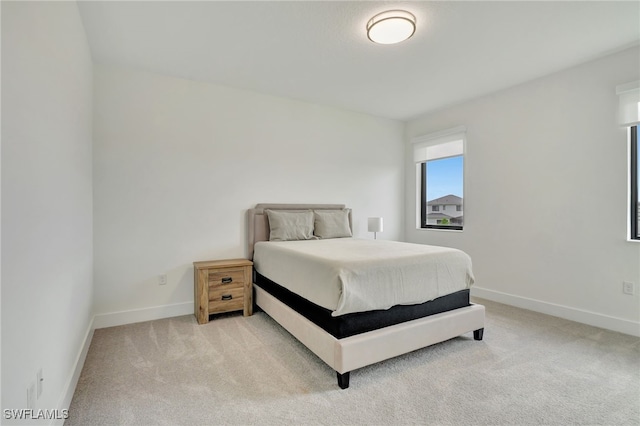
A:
(440, 230)
(629, 240)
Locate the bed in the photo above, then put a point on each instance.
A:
(335, 308)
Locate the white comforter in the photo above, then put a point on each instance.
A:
(348, 275)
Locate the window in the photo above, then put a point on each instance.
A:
(634, 184)
(629, 116)
(440, 177)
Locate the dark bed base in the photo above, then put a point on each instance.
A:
(352, 324)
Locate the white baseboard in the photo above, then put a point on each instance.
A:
(70, 386)
(139, 315)
(591, 318)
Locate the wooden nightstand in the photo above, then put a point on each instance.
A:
(222, 286)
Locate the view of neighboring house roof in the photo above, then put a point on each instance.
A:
(447, 199)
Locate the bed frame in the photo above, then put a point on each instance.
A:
(350, 353)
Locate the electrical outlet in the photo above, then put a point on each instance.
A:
(628, 288)
(39, 383)
(162, 279)
(31, 396)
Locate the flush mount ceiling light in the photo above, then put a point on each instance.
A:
(392, 26)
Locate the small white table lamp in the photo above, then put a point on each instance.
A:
(375, 225)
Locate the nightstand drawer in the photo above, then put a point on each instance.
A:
(227, 277)
(235, 292)
(226, 300)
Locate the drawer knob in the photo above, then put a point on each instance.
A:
(226, 280)
(227, 297)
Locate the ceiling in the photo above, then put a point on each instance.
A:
(319, 52)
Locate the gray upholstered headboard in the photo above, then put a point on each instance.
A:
(258, 223)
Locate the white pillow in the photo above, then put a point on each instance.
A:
(332, 223)
(290, 226)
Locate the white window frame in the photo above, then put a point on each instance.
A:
(629, 116)
(427, 147)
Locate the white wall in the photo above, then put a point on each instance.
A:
(46, 199)
(177, 163)
(549, 156)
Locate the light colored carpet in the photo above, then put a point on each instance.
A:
(529, 369)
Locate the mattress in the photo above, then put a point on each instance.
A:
(350, 275)
(361, 322)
